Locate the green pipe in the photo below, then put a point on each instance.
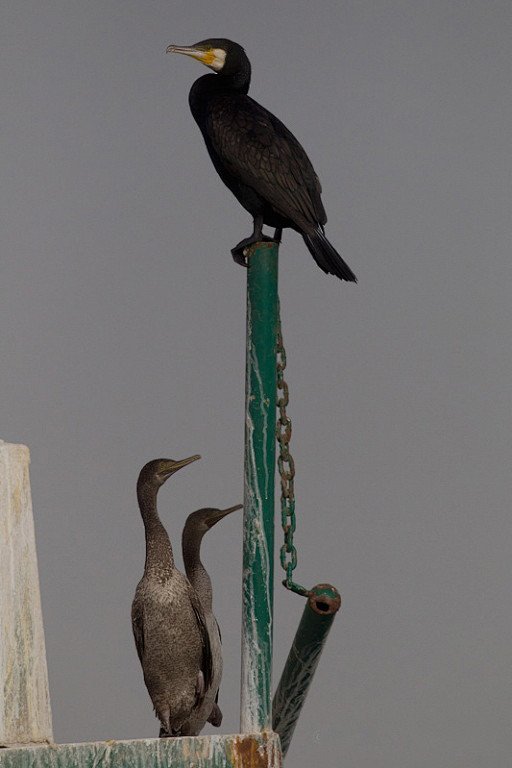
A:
(321, 608)
(259, 479)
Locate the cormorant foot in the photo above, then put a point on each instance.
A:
(239, 251)
(165, 723)
(238, 254)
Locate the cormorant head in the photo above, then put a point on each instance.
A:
(200, 521)
(221, 55)
(155, 473)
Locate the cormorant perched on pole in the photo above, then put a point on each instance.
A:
(168, 620)
(198, 523)
(256, 156)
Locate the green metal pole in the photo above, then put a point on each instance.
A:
(259, 478)
(321, 608)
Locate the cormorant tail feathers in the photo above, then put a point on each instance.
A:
(327, 257)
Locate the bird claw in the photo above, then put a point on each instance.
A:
(241, 252)
(165, 724)
(240, 255)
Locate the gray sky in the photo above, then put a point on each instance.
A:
(122, 328)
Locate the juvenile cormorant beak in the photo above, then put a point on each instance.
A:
(218, 514)
(173, 466)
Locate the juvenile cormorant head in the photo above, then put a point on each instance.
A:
(155, 473)
(221, 55)
(199, 522)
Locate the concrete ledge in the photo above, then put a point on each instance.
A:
(259, 750)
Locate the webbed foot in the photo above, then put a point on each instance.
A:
(165, 724)
(239, 252)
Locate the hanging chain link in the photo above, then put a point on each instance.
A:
(286, 471)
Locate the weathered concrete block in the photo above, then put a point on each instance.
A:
(25, 714)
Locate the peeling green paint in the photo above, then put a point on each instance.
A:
(260, 750)
(259, 479)
(321, 608)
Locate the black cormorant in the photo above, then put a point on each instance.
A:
(256, 156)
(168, 620)
(198, 523)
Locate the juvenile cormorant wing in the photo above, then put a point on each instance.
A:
(207, 662)
(138, 628)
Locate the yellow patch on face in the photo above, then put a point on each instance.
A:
(214, 58)
(205, 57)
(210, 57)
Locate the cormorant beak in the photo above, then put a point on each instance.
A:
(173, 466)
(218, 514)
(205, 57)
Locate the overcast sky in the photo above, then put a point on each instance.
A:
(122, 333)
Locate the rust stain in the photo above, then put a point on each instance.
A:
(256, 751)
(261, 245)
(247, 752)
(324, 604)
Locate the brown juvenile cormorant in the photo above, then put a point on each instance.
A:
(198, 523)
(256, 156)
(168, 620)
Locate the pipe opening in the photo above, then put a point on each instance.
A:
(324, 599)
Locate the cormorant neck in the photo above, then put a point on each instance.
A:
(195, 570)
(239, 80)
(159, 555)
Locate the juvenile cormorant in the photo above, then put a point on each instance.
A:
(256, 156)
(198, 523)
(168, 620)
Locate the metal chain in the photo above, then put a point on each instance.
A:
(286, 471)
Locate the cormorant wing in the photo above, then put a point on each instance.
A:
(256, 148)
(207, 663)
(215, 716)
(138, 628)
